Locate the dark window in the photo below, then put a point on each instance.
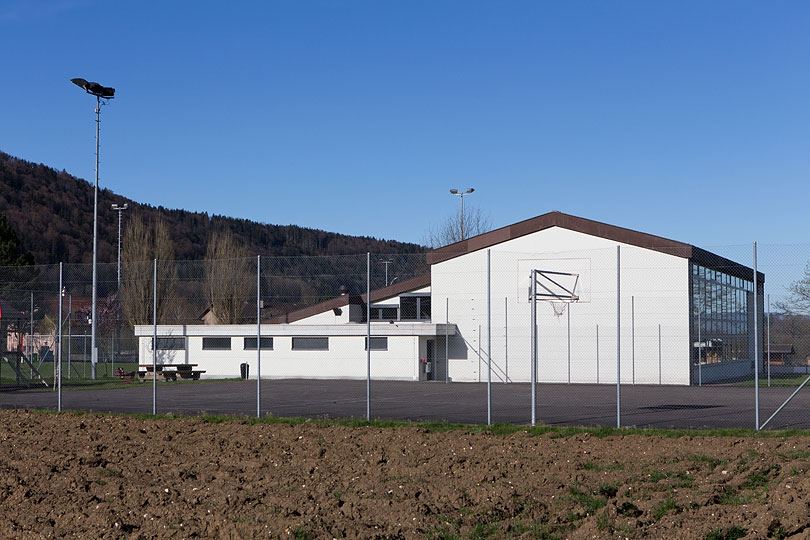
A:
(171, 343)
(414, 308)
(408, 308)
(384, 314)
(378, 343)
(310, 343)
(216, 344)
(424, 308)
(250, 344)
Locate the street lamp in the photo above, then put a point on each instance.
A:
(460, 194)
(95, 89)
(386, 262)
(120, 209)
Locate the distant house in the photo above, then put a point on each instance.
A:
(686, 315)
(780, 353)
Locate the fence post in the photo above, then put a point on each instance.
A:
(633, 336)
(70, 330)
(769, 341)
(533, 332)
(446, 340)
(368, 336)
(569, 343)
(58, 367)
(154, 338)
(756, 345)
(618, 338)
(659, 354)
(258, 336)
(506, 340)
(597, 354)
(489, 339)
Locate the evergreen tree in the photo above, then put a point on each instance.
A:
(11, 251)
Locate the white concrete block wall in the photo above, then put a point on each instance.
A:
(659, 283)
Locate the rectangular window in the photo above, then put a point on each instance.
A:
(424, 308)
(407, 308)
(384, 314)
(171, 343)
(310, 343)
(378, 343)
(250, 344)
(216, 344)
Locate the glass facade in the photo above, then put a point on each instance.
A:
(722, 316)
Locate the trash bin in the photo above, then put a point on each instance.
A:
(244, 369)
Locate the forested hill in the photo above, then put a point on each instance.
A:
(52, 212)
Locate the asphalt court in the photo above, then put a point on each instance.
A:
(557, 404)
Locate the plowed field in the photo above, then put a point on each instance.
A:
(93, 476)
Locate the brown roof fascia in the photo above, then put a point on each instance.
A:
(418, 282)
(303, 313)
(340, 301)
(566, 221)
(727, 266)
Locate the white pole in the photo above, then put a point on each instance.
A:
(569, 343)
(633, 336)
(489, 339)
(769, 340)
(618, 338)
(59, 351)
(597, 354)
(368, 336)
(756, 345)
(70, 337)
(659, 354)
(700, 345)
(506, 340)
(446, 340)
(154, 339)
(533, 332)
(258, 336)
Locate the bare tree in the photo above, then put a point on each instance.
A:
(142, 244)
(798, 300)
(228, 277)
(472, 223)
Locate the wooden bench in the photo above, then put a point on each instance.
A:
(170, 372)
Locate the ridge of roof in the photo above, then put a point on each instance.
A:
(565, 221)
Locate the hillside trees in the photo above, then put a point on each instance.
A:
(11, 250)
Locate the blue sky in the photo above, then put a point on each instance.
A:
(685, 119)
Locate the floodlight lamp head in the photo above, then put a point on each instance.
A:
(94, 88)
(469, 190)
(454, 191)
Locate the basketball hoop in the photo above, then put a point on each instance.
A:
(559, 308)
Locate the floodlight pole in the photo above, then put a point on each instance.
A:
(99, 92)
(93, 326)
(461, 217)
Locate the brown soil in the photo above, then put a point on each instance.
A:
(94, 476)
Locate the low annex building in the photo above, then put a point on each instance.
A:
(686, 316)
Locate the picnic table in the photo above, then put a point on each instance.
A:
(170, 372)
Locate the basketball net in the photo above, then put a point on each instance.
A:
(559, 308)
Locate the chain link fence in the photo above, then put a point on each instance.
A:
(622, 336)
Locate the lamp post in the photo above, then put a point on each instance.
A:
(95, 89)
(461, 194)
(120, 209)
(386, 262)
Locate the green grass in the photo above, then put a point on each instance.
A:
(589, 501)
(660, 510)
(775, 381)
(437, 427)
(732, 533)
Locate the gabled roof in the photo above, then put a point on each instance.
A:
(412, 284)
(593, 228)
(9, 312)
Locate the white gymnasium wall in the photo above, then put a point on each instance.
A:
(658, 282)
